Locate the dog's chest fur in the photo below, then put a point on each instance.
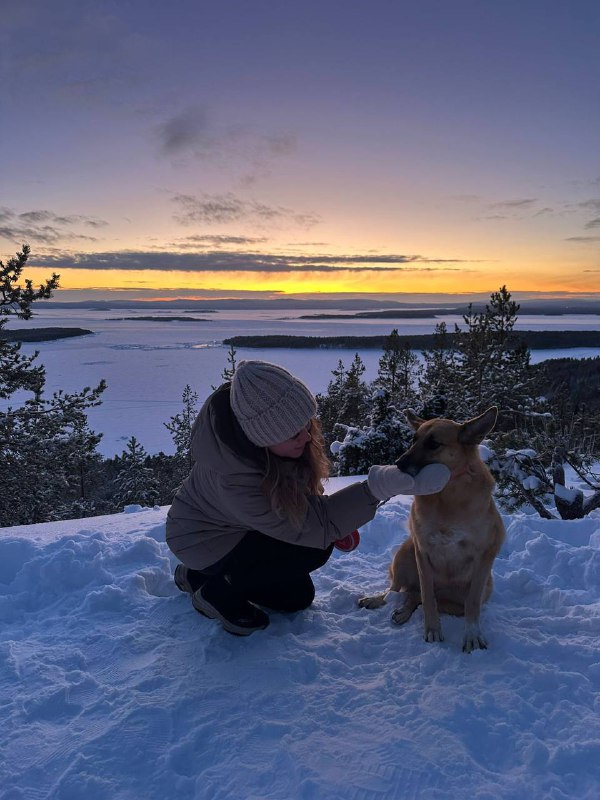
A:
(451, 548)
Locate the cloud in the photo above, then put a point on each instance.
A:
(593, 223)
(46, 234)
(593, 204)
(583, 239)
(217, 240)
(229, 261)
(185, 130)
(281, 145)
(223, 208)
(466, 198)
(195, 133)
(514, 209)
(46, 227)
(516, 204)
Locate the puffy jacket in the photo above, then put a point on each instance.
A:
(221, 499)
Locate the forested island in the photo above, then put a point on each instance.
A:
(158, 319)
(535, 340)
(42, 334)
(424, 313)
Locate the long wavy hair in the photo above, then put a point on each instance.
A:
(288, 482)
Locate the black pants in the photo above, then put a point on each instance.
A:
(270, 572)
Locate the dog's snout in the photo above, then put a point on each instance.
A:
(406, 464)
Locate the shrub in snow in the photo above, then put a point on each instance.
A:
(381, 441)
(525, 479)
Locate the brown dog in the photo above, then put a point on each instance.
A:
(454, 535)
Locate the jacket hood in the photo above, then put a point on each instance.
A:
(218, 439)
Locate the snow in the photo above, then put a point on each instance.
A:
(567, 494)
(113, 688)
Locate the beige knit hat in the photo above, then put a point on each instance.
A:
(270, 404)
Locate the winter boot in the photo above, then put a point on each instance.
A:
(217, 599)
(188, 580)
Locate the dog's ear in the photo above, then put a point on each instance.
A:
(473, 431)
(414, 421)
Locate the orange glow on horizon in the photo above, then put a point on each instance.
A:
(407, 280)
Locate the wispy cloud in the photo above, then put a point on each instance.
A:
(186, 130)
(593, 204)
(46, 227)
(225, 208)
(228, 261)
(583, 239)
(193, 132)
(515, 204)
(517, 209)
(217, 241)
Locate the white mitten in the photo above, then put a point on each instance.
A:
(388, 481)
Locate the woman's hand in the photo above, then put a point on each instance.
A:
(387, 481)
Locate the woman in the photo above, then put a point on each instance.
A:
(251, 522)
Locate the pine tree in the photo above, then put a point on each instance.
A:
(398, 372)
(479, 366)
(330, 404)
(491, 369)
(38, 471)
(135, 482)
(227, 373)
(355, 395)
(180, 428)
(438, 388)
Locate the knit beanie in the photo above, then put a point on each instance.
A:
(270, 404)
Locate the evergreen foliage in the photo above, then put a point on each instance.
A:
(47, 452)
(180, 428)
(399, 369)
(135, 482)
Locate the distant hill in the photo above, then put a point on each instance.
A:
(443, 304)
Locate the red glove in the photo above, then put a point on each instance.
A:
(348, 543)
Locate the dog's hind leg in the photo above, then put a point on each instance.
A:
(403, 576)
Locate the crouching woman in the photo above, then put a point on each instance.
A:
(251, 521)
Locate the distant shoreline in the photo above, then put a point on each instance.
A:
(535, 340)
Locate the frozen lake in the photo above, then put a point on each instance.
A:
(147, 363)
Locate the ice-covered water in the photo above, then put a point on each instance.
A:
(148, 363)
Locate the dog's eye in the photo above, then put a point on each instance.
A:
(431, 444)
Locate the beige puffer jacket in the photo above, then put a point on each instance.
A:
(221, 499)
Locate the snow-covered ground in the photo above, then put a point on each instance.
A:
(113, 688)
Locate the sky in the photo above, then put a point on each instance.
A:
(163, 149)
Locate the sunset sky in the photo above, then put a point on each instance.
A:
(170, 148)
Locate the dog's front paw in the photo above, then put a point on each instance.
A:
(474, 639)
(401, 615)
(376, 601)
(433, 633)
